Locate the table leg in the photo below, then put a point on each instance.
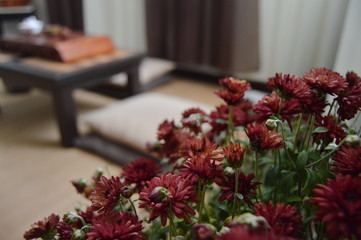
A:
(133, 86)
(66, 116)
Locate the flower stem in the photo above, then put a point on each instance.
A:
(333, 103)
(134, 209)
(171, 222)
(284, 143)
(202, 203)
(309, 138)
(257, 176)
(327, 155)
(256, 167)
(236, 175)
(280, 108)
(305, 136)
(298, 128)
(230, 125)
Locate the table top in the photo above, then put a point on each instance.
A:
(47, 74)
(54, 67)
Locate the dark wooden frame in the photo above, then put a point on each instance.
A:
(61, 86)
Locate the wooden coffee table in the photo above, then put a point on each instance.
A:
(60, 79)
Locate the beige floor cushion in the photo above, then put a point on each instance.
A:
(135, 120)
(150, 69)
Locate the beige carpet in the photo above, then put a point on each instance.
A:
(35, 171)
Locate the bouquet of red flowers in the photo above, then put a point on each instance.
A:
(288, 167)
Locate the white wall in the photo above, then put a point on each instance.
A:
(295, 35)
(298, 35)
(349, 52)
(122, 20)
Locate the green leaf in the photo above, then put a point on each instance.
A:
(302, 160)
(221, 121)
(294, 199)
(274, 118)
(240, 196)
(289, 145)
(320, 130)
(264, 160)
(287, 178)
(239, 128)
(331, 147)
(307, 220)
(271, 176)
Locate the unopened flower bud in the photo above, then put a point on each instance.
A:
(228, 171)
(78, 235)
(255, 222)
(126, 191)
(178, 238)
(70, 217)
(158, 194)
(98, 173)
(204, 231)
(224, 230)
(271, 124)
(353, 141)
(80, 184)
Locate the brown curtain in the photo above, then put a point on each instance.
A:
(67, 13)
(217, 33)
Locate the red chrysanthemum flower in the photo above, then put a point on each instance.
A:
(106, 195)
(65, 231)
(193, 119)
(269, 104)
(46, 228)
(200, 168)
(325, 80)
(350, 100)
(175, 141)
(317, 104)
(234, 90)
(168, 192)
(245, 187)
(243, 232)
(219, 118)
(282, 219)
(339, 206)
(347, 161)
(165, 129)
(88, 215)
(334, 131)
(263, 139)
(204, 148)
(291, 86)
(234, 154)
(140, 171)
(126, 228)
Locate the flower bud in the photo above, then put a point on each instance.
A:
(271, 124)
(234, 154)
(224, 230)
(158, 194)
(178, 238)
(70, 217)
(80, 184)
(126, 191)
(228, 171)
(255, 222)
(98, 173)
(78, 235)
(204, 231)
(353, 141)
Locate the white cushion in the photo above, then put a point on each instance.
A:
(135, 120)
(150, 69)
